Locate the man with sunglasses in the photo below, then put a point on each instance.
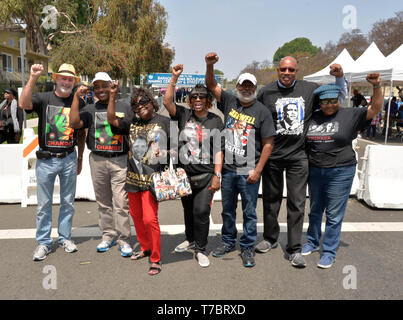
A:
(288, 155)
(249, 131)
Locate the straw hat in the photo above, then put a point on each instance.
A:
(66, 70)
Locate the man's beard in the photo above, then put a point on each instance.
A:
(244, 99)
(64, 89)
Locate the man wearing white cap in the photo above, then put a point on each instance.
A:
(56, 155)
(249, 123)
(108, 163)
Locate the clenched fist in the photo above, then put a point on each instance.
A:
(81, 90)
(211, 58)
(36, 70)
(374, 79)
(336, 70)
(177, 70)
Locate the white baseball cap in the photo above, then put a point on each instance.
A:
(103, 76)
(247, 76)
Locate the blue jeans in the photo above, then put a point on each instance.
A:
(232, 185)
(46, 172)
(329, 189)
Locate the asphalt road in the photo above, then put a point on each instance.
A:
(368, 263)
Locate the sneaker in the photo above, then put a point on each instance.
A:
(265, 246)
(105, 245)
(307, 249)
(126, 250)
(247, 258)
(41, 252)
(69, 246)
(325, 262)
(203, 260)
(184, 246)
(297, 260)
(222, 250)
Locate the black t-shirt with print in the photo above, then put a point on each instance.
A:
(329, 138)
(199, 140)
(291, 109)
(244, 128)
(100, 137)
(148, 149)
(54, 132)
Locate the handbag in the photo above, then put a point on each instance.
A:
(199, 181)
(170, 184)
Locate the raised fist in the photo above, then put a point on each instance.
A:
(374, 79)
(211, 58)
(36, 70)
(336, 70)
(81, 90)
(177, 70)
(114, 87)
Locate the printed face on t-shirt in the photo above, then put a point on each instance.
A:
(139, 148)
(58, 132)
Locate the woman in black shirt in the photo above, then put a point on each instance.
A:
(201, 156)
(332, 164)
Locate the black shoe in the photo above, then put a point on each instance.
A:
(222, 250)
(248, 259)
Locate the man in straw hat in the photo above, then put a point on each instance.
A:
(56, 155)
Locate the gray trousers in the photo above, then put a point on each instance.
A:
(108, 178)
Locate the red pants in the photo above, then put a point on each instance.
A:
(144, 211)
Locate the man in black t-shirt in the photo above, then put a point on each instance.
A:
(108, 163)
(357, 98)
(248, 132)
(288, 155)
(56, 155)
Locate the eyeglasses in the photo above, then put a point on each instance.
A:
(141, 103)
(285, 69)
(200, 95)
(327, 101)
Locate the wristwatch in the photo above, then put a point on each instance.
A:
(218, 174)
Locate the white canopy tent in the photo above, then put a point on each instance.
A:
(323, 76)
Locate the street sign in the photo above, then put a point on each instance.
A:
(161, 80)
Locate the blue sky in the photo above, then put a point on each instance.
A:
(241, 31)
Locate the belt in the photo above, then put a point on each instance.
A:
(108, 154)
(61, 155)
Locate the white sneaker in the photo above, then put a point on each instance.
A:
(69, 246)
(126, 250)
(184, 246)
(41, 252)
(203, 260)
(105, 245)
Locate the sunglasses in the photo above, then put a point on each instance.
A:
(327, 101)
(200, 95)
(285, 69)
(141, 103)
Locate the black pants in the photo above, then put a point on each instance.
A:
(8, 135)
(197, 216)
(273, 184)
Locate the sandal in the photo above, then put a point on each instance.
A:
(155, 268)
(140, 255)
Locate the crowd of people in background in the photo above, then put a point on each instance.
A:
(290, 128)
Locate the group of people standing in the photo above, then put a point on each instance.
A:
(264, 135)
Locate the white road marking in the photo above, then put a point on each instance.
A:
(79, 232)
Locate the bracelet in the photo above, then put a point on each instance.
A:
(376, 87)
(79, 158)
(173, 83)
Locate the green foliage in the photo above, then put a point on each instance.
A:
(298, 45)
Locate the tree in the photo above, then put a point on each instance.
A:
(387, 34)
(355, 42)
(298, 45)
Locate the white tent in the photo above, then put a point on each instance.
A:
(394, 62)
(323, 76)
(372, 60)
